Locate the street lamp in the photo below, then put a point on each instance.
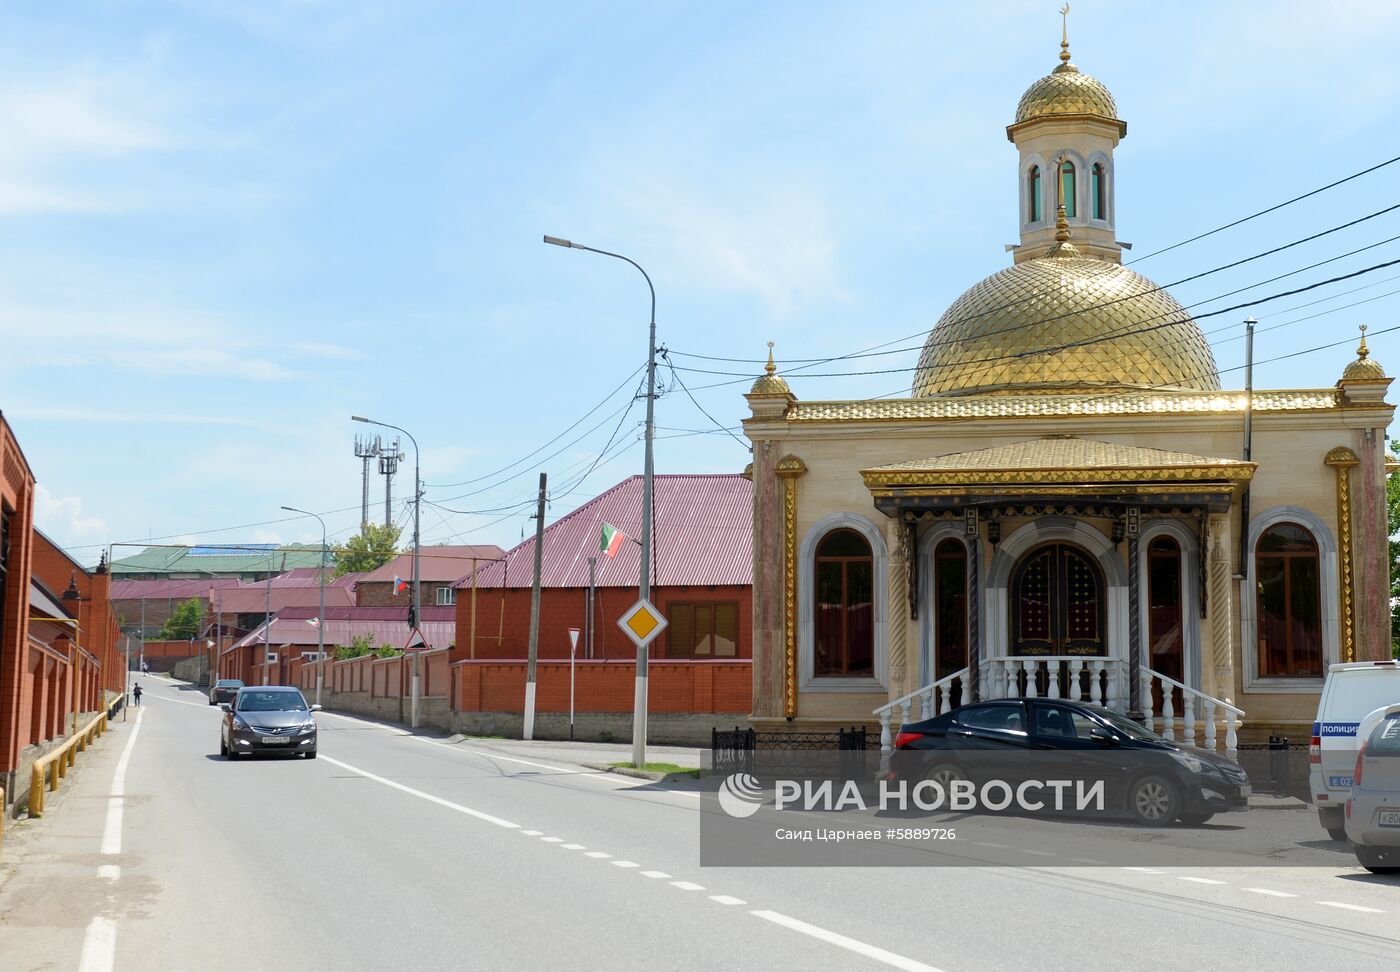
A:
(321, 617)
(639, 702)
(417, 497)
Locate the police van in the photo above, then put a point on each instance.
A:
(1352, 691)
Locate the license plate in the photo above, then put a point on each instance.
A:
(1389, 818)
(275, 740)
(1246, 790)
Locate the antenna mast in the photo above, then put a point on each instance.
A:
(389, 465)
(365, 450)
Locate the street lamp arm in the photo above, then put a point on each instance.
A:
(617, 256)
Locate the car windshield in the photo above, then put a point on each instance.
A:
(229, 683)
(270, 701)
(1126, 726)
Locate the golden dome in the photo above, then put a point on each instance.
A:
(1064, 323)
(1364, 368)
(770, 383)
(1066, 92)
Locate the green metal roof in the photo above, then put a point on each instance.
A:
(214, 561)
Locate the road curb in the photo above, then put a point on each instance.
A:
(641, 774)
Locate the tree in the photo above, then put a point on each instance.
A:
(374, 546)
(362, 645)
(1392, 504)
(185, 621)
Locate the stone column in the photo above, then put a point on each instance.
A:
(1371, 551)
(900, 667)
(768, 648)
(1342, 460)
(1134, 630)
(1221, 610)
(789, 470)
(972, 535)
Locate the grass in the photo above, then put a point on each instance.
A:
(670, 769)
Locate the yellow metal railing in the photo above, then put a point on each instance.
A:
(52, 767)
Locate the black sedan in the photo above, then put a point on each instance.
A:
(268, 719)
(224, 690)
(1144, 776)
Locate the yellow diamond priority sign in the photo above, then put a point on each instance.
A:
(642, 622)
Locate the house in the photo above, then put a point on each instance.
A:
(143, 605)
(440, 567)
(1068, 503)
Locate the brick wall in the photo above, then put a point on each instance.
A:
(503, 620)
(605, 686)
(377, 594)
(16, 679)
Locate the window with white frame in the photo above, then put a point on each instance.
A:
(446, 596)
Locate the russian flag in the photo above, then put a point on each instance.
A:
(400, 585)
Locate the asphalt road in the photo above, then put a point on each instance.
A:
(398, 851)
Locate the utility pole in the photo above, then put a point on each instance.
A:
(639, 699)
(535, 615)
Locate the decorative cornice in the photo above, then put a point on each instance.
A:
(1233, 473)
(790, 467)
(1342, 456)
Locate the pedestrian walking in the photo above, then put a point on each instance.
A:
(136, 693)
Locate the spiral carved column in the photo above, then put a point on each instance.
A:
(790, 469)
(897, 610)
(1343, 459)
(1221, 609)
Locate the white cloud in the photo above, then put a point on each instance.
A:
(63, 517)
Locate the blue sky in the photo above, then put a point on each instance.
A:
(227, 226)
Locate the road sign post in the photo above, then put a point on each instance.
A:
(642, 622)
(573, 653)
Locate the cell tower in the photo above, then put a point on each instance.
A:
(365, 450)
(388, 465)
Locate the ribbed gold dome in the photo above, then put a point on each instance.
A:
(770, 382)
(1064, 324)
(1066, 92)
(1365, 367)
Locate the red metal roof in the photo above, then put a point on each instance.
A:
(437, 564)
(388, 626)
(703, 535)
(160, 590)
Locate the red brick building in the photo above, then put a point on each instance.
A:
(440, 568)
(702, 568)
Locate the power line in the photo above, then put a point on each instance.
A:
(666, 356)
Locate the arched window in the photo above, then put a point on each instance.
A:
(1098, 191)
(1289, 605)
(1165, 634)
(845, 606)
(1067, 187)
(950, 608)
(1033, 194)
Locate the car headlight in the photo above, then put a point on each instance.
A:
(1192, 763)
(240, 725)
(307, 729)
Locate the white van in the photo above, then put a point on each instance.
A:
(1352, 691)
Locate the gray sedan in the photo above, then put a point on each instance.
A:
(268, 719)
(1373, 809)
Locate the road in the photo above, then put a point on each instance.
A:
(395, 851)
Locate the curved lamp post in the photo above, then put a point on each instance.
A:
(321, 617)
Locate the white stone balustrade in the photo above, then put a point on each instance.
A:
(1191, 699)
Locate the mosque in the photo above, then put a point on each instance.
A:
(1068, 504)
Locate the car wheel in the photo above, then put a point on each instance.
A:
(1153, 800)
(1195, 819)
(311, 755)
(944, 774)
(1378, 860)
(223, 747)
(1337, 833)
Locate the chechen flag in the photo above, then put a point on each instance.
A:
(612, 540)
(400, 585)
(314, 622)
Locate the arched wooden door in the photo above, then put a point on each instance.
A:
(1057, 603)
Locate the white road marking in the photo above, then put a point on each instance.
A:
(489, 818)
(1352, 907)
(112, 829)
(1144, 870)
(99, 945)
(109, 872)
(988, 843)
(1089, 860)
(598, 855)
(1038, 853)
(654, 874)
(841, 941)
(552, 840)
(727, 899)
(1271, 893)
(624, 864)
(1197, 880)
(572, 846)
(532, 833)
(687, 886)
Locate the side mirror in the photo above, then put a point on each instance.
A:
(315, 707)
(226, 706)
(1103, 736)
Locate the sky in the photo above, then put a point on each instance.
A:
(227, 226)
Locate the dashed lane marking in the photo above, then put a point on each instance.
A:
(727, 899)
(599, 855)
(1271, 893)
(552, 840)
(1197, 880)
(849, 944)
(653, 874)
(687, 886)
(1352, 907)
(624, 864)
(572, 846)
